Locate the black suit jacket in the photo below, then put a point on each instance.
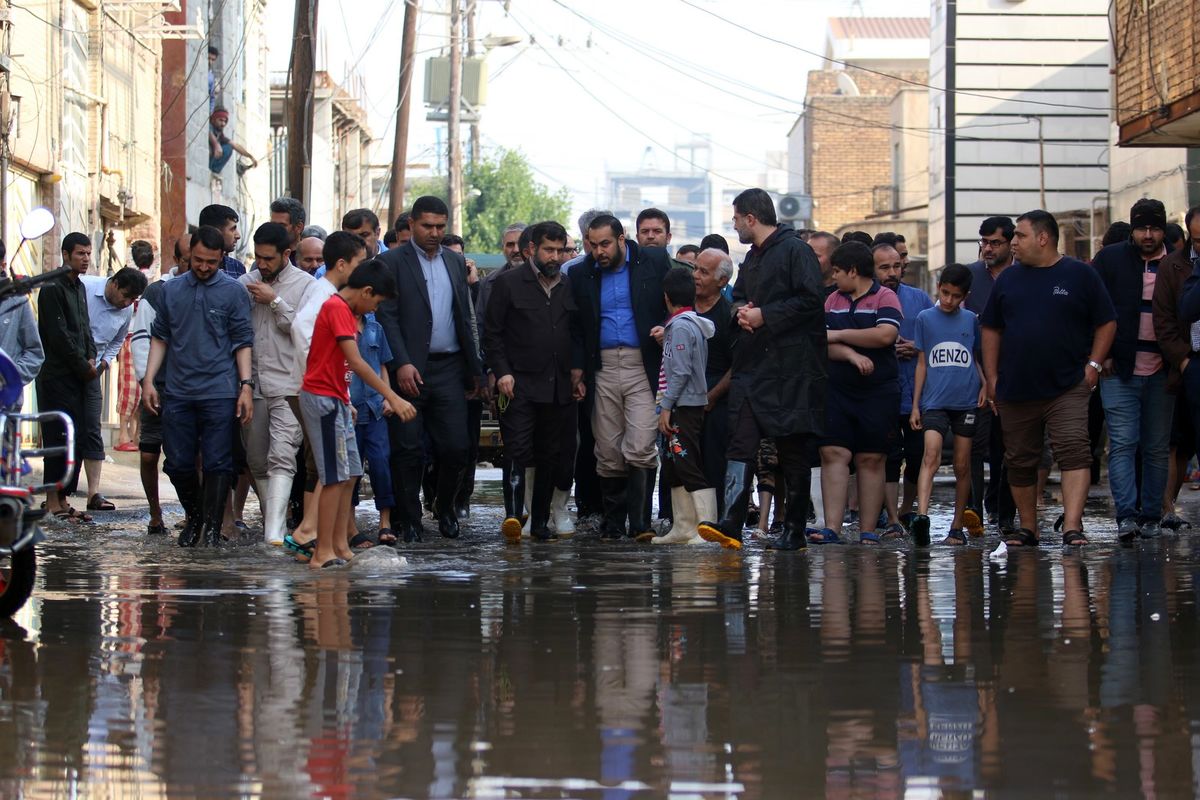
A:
(647, 266)
(407, 320)
(528, 335)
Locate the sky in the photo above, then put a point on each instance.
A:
(596, 86)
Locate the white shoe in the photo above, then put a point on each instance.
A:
(685, 519)
(563, 524)
(530, 472)
(274, 508)
(704, 509)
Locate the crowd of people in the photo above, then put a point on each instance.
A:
(615, 367)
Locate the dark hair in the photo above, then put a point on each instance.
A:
(210, 237)
(130, 281)
(956, 275)
(142, 252)
(993, 224)
(875, 248)
(292, 207)
(402, 222)
(390, 237)
(804, 233)
(687, 248)
(1192, 213)
(525, 239)
(73, 240)
(1174, 234)
(758, 203)
(715, 240)
(178, 252)
(215, 216)
(375, 275)
(545, 231)
(854, 256)
(275, 234)
(834, 241)
(653, 213)
(679, 286)
(607, 221)
(428, 204)
(341, 246)
(358, 217)
(212, 51)
(3, 250)
(887, 237)
(1041, 222)
(1119, 231)
(858, 236)
(447, 240)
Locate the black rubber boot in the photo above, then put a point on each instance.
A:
(612, 494)
(639, 492)
(443, 501)
(406, 485)
(513, 488)
(216, 491)
(728, 532)
(794, 535)
(539, 513)
(466, 488)
(187, 488)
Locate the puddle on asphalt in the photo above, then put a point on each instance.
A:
(581, 669)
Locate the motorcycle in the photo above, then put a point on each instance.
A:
(20, 529)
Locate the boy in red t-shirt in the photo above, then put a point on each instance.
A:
(325, 403)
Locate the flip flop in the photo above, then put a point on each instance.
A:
(99, 502)
(78, 516)
(304, 550)
(823, 536)
(386, 536)
(362, 541)
(334, 562)
(1074, 539)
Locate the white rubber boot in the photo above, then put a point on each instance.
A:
(685, 521)
(530, 472)
(563, 524)
(274, 508)
(703, 506)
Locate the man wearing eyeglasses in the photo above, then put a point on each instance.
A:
(995, 256)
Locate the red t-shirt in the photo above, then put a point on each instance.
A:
(327, 372)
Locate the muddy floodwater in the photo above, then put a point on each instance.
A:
(600, 670)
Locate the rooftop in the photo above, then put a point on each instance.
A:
(879, 27)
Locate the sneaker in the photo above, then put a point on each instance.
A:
(1173, 522)
(1127, 530)
(1151, 530)
(920, 530)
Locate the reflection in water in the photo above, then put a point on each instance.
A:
(603, 671)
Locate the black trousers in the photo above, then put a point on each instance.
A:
(587, 483)
(794, 451)
(683, 451)
(70, 397)
(988, 446)
(533, 432)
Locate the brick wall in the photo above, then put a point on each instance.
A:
(847, 139)
(1155, 53)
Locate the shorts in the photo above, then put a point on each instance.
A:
(960, 423)
(150, 432)
(330, 428)
(861, 423)
(1030, 424)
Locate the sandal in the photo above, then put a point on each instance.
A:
(334, 562)
(869, 537)
(824, 536)
(1022, 538)
(955, 538)
(302, 549)
(1074, 539)
(386, 536)
(156, 530)
(893, 532)
(99, 502)
(74, 514)
(362, 541)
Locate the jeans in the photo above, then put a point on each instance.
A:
(218, 164)
(1139, 411)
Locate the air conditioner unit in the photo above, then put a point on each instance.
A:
(795, 206)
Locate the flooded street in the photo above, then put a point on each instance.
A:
(588, 669)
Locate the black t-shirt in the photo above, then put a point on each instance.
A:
(720, 346)
(1047, 317)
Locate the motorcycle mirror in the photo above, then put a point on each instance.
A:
(37, 223)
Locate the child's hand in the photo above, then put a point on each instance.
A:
(664, 422)
(400, 407)
(865, 365)
(914, 419)
(982, 397)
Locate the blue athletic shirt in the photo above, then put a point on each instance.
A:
(950, 345)
(1047, 317)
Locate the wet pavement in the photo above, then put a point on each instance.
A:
(598, 670)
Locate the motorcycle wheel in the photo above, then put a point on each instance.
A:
(16, 581)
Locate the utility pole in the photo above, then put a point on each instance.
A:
(471, 4)
(1041, 161)
(408, 47)
(300, 111)
(5, 113)
(453, 131)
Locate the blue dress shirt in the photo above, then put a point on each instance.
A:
(617, 326)
(444, 338)
(203, 324)
(373, 346)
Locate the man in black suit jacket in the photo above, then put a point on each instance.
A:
(527, 338)
(619, 295)
(435, 364)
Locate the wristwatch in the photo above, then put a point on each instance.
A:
(1098, 367)
(274, 304)
(246, 382)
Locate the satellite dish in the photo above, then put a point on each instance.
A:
(37, 223)
(846, 85)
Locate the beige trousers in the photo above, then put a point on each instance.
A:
(623, 420)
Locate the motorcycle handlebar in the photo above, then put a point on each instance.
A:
(11, 287)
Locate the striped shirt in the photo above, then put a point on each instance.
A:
(1148, 359)
(879, 306)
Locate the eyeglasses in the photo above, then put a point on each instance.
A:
(570, 249)
(992, 242)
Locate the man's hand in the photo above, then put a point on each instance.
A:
(990, 390)
(1108, 368)
(245, 405)
(1091, 376)
(578, 387)
(408, 379)
(261, 292)
(664, 422)
(507, 386)
(905, 349)
(864, 365)
(750, 318)
(472, 272)
(395, 404)
(914, 419)
(150, 397)
(657, 333)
